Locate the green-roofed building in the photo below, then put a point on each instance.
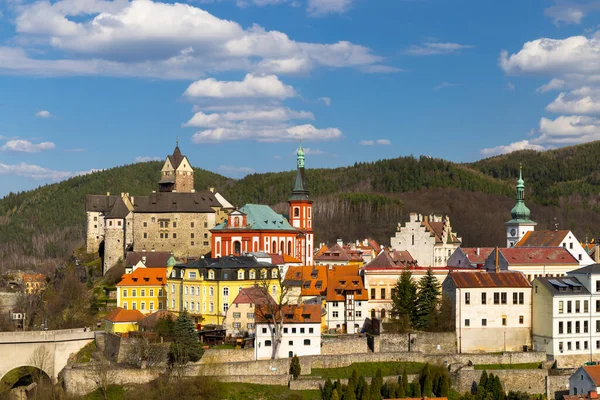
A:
(520, 223)
(258, 228)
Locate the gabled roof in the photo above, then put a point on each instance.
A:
(543, 239)
(312, 279)
(121, 315)
(279, 259)
(224, 203)
(176, 158)
(436, 228)
(480, 279)
(292, 314)
(145, 277)
(588, 269)
(594, 372)
(563, 286)
(537, 255)
(473, 257)
(342, 279)
(259, 217)
(119, 210)
(154, 259)
(160, 202)
(99, 202)
(253, 295)
(339, 253)
(392, 259)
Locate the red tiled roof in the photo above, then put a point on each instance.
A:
(145, 277)
(537, 255)
(279, 259)
(543, 239)
(474, 258)
(253, 295)
(392, 259)
(121, 315)
(294, 314)
(594, 373)
(339, 253)
(153, 258)
(34, 278)
(344, 278)
(480, 279)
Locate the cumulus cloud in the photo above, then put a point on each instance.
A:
(43, 114)
(139, 159)
(433, 48)
(568, 130)
(252, 86)
(585, 100)
(565, 14)
(382, 142)
(160, 40)
(33, 172)
(554, 84)
(233, 170)
(26, 146)
(267, 134)
(203, 120)
(317, 8)
(521, 145)
(325, 100)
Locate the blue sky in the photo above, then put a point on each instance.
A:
(91, 84)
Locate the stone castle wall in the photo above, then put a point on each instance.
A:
(532, 381)
(424, 342)
(344, 345)
(94, 231)
(114, 247)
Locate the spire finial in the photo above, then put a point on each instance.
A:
(520, 170)
(177, 142)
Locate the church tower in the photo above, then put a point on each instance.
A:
(300, 213)
(176, 175)
(520, 223)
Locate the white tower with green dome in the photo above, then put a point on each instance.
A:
(520, 223)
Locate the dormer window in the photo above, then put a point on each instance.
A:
(211, 274)
(306, 316)
(306, 284)
(274, 274)
(289, 316)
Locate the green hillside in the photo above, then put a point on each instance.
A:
(42, 226)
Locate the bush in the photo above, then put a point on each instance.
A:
(295, 368)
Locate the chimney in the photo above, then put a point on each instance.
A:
(144, 260)
(212, 189)
(593, 394)
(477, 251)
(340, 242)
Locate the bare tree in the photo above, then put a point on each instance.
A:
(143, 353)
(43, 361)
(103, 374)
(272, 311)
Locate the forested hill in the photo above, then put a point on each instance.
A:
(367, 199)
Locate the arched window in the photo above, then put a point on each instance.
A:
(274, 249)
(309, 212)
(263, 274)
(373, 313)
(282, 246)
(296, 211)
(382, 314)
(211, 274)
(237, 247)
(289, 248)
(252, 274)
(240, 275)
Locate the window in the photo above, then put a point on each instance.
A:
(561, 307)
(191, 225)
(143, 292)
(192, 274)
(335, 304)
(484, 322)
(577, 306)
(598, 344)
(205, 243)
(172, 288)
(293, 330)
(274, 290)
(174, 224)
(252, 274)
(186, 290)
(151, 292)
(240, 275)
(307, 342)
(124, 292)
(301, 330)
(267, 343)
(264, 330)
(576, 345)
(483, 298)
(133, 306)
(372, 293)
(160, 305)
(560, 346)
(569, 308)
(225, 292)
(467, 298)
(296, 212)
(285, 330)
(586, 306)
(383, 293)
(503, 297)
(251, 316)
(290, 343)
(191, 243)
(237, 315)
(172, 303)
(335, 314)
(585, 327)
(358, 315)
(504, 320)
(263, 274)
(250, 326)
(585, 345)
(569, 327)
(597, 305)
(206, 236)
(133, 293)
(211, 307)
(311, 330)
(237, 325)
(125, 306)
(225, 307)
(577, 326)
(206, 224)
(145, 235)
(191, 236)
(211, 274)
(467, 322)
(274, 273)
(521, 319)
(515, 298)
(560, 327)
(496, 298)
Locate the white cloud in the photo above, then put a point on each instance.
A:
(565, 13)
(367, 142)
(139, 159)
(43, 114)
(160, 40)
(252, 86)
(228, 119)
(569, 129)
(554, 84)
(585, 100)
(522, 145)
(325, 100)
(319, 8)
(433, 48)
(383, 142)
(267, 134)
(443, 85)
(26, 146)
(277, 157)
(232, 170)
(33, 172)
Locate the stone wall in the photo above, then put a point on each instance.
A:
(78, 381)
(344, 344)
(253, 368)
(426, 342)
(314, 384)
(574, 360)
(557, 386)
(213, 356)
(280, 380)
(532, 381)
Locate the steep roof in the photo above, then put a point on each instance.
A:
(253, 295)
(480, 279)
(259, 217)
(474, 258)
(224, 203)
(121, 315)
(99, 202)
(594, 372)
(392, 259)
(119, 210)
(154, 259)
(543, 239)
(293, 314)
(145, 277)
(537, 255)
(283, 259)
(339, 253)
(176, 158)
(161, 202)
(341, 279)
(563, 286)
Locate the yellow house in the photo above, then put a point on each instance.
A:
(144, 290)
(207, 287)
(120, 320)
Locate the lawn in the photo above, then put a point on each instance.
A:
(245, 391)
(508, 366)
(85, 354)
(369, 369)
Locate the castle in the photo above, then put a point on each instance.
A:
(175, 218)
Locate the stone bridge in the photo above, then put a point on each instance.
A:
(46, 350)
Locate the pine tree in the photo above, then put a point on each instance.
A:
(335, 395)
(353, 379)
(403, 301)
(427, 300)
(379, 377)
(349, 393)
(185, 346)
(427, 382)
(405, 383)
(295, 368)
(360, 386)
(445, 386)
(374, 390)
(327, 390)
(417, 388)
(364, 392)
(401, 391)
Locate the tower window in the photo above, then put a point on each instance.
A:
(296, 211)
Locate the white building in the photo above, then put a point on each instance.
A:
(347, 299)
(563, 238)
(301, 332)
(585, 381)
(566, 316)
(492, 310)
(532, 261)
(520, 223)
(429, 239)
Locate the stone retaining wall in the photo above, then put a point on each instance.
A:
(532, 381)
(212, 356)
(344, 344)
(78, 381)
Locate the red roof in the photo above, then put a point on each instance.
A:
(145, 277)
(537, 255)
(480, 279)
(121, 315)
(594, 373)
(392, 259)
(474, 258)
(339, 253)
(345, 278)
(543, 238)
(294, 314)
(34, 278)
(279, 259)
(253, 295)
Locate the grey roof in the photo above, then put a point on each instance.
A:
(99, 202)
(300, 191)
(119, 210)
(154, 259)
(176, 158)
(568, 290)
(588, 269)
(161, 202)
(225, 265)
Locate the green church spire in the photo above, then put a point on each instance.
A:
(300, 191)
(520, 212)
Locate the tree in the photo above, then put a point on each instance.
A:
(481, 387)
(335, 395)
(272, 311)
(327, 390)
(445, 387)
(443, 319)
(164, 326)
(295, 368)
(417, 388)
(185, 346)
(103, 374)
(403, 301)
(43, 361)
(405, 383)
(427, 299)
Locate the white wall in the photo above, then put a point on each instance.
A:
(361, 311)
(297, 339)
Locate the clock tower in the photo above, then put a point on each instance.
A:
(520, 223)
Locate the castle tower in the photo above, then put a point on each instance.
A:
(177, 174)
(300, 213)
(520, 223)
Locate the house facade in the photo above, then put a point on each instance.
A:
(556, 238)
(429, 239)
(469, 257)
(120, 320)
(301, 332)
(240, 318)
(144, 289)
(338, 254)
(347, 300)
(492, 310)
(585, 381)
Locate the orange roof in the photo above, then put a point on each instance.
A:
(294, 314)
(311, 278)
(145, 277)
(121, 315)
(345, 278)
(543, 238)
(289, 259)
(34, 277)
(283, 259)
(594, 372)
(322, 250)
(339, 253)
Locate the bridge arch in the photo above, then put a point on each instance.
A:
(23, 376)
